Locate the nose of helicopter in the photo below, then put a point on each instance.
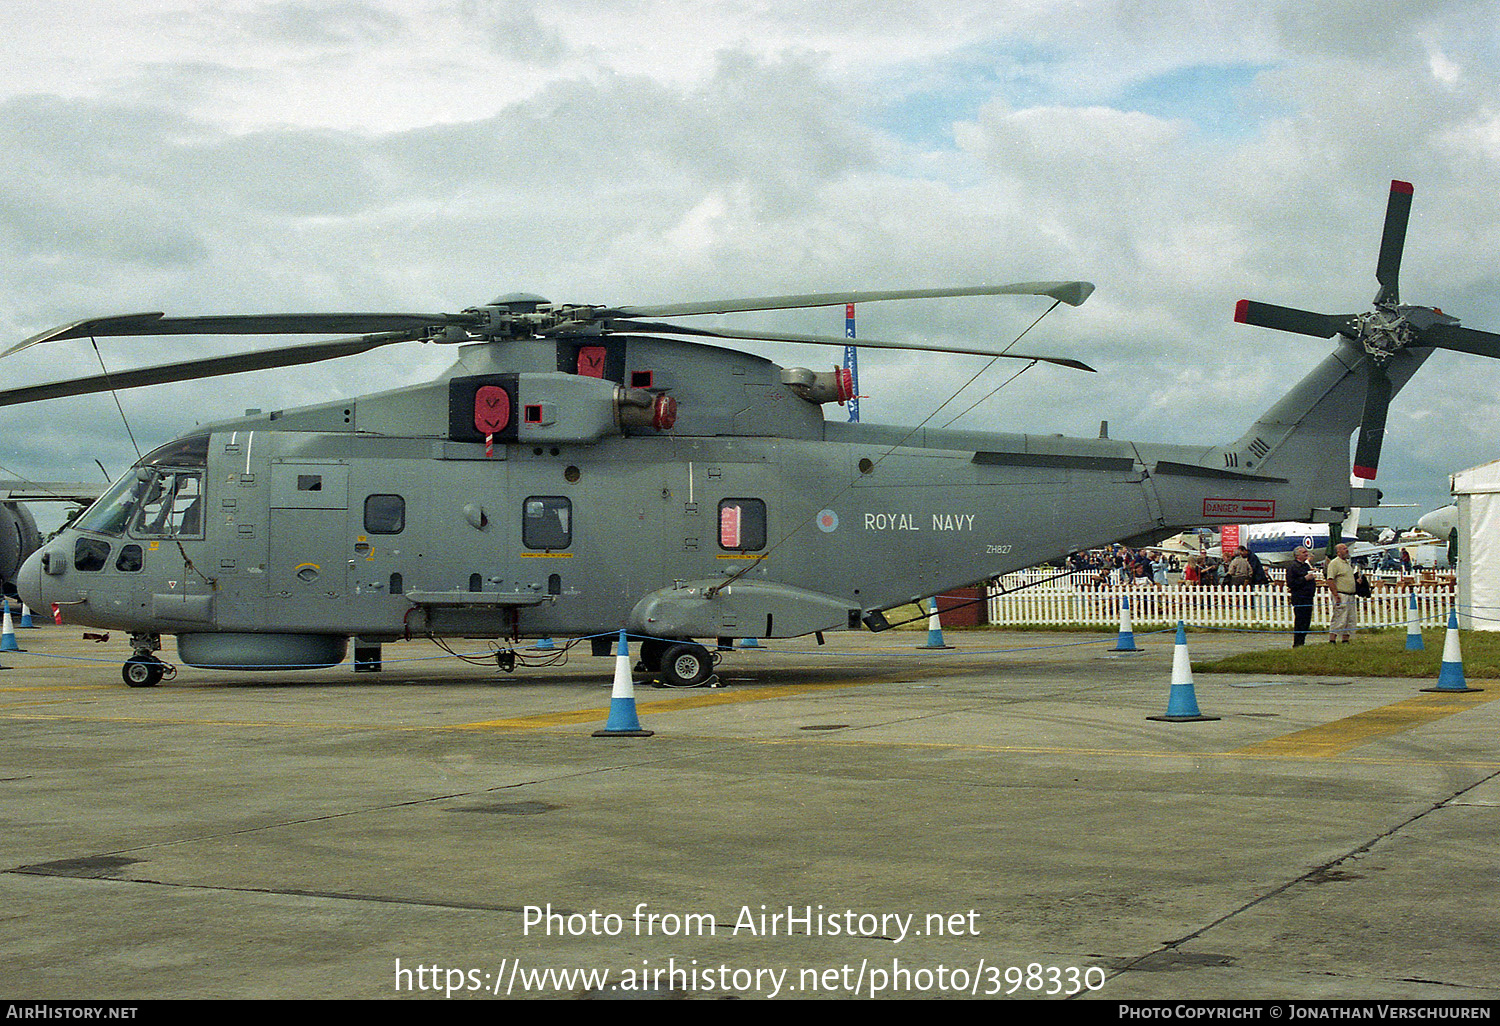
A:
(29, 582)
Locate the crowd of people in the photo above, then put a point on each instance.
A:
(1122, 566)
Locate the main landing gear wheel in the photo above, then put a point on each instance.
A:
(652, 650)
(143, 671)
(686, 665)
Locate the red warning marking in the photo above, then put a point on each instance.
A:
(1248, 509)
(591, 361)
(491, 409)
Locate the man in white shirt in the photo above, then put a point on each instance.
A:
(1340, 578)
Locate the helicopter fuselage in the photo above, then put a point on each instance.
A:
(272, 539)
(575, 473)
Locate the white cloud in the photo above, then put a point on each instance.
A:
(277, 155)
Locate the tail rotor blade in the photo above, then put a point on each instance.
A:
(1392, 242)
(1372, 424)
(1462, 340)
(1303, 322)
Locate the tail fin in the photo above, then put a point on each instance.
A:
(1303, 440)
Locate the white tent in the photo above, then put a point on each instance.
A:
(1477, 492)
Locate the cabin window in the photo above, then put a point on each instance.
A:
(172, 506)
(547, 523)
(742, 525)
(385, 514)
(131, 559)
(89, 554)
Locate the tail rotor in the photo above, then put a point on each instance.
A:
(1383, 332)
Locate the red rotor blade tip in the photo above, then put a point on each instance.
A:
(1399, 186)
(1364, 473)
(1242, 310)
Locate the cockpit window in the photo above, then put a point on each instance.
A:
(111, 511)
(89, 554)
(172, 506)
(152, 503)
(183, 452)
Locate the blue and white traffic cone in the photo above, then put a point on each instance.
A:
(1182, 703)
(8, 633)
(1413, 627)
(749, 643)
(544, 645)
(1127, 632)
(622, 721)
(1451, 674)
(934, 629)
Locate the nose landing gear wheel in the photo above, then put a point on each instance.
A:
(143, 671)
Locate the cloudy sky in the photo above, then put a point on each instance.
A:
(292, 155)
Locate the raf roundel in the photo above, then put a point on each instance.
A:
(828, 521)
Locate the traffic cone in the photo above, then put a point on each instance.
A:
(623, 721)
(1413, 627)
(544, 645)
(1127, 632)
(1451, 675)
(750, 643)
(934, 629)
(8, 633)
(1182, 703)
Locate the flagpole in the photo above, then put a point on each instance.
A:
(851, 364)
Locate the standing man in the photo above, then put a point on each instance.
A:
(1240, 570)
(1345, 603)
(1303, 587)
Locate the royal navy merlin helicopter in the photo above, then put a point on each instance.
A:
(580, 469)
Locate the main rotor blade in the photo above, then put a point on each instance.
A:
(863, 342)
(1460, 339)
(1303, 322)
(249, 324)
(1071, 292)
(1372, 424)
(1392, 242)
(288, 356)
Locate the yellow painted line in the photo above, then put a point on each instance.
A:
(61, 687)
(1120, 753)
(165, 721)
(1339, 736)
(541, 721)
(538, 721)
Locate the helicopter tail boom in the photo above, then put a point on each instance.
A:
(1293, 462)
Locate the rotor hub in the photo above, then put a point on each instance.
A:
(521, 315)
(1384, 332)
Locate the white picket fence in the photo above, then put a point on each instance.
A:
(1071, 601)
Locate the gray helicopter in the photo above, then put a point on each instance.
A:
(582, 469)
